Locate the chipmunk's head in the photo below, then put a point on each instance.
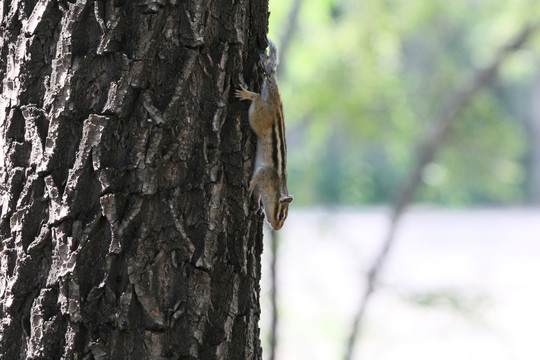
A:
(276, 210)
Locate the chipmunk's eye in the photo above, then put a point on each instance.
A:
(281, 216)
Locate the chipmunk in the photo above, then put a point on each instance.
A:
(269, 181)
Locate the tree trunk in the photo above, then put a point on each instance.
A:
(125, 224)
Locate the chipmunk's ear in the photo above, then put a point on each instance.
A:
(286, 199)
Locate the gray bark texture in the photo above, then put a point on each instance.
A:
(125, 160)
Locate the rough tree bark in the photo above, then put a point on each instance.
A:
(125, 223)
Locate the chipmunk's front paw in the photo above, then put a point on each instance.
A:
(256, 206)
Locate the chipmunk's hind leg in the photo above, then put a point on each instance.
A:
(244, 94)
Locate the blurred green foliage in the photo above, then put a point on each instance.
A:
(363, 80)
(468, 303)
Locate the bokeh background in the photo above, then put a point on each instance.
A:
(362, 84)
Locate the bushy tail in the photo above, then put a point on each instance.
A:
(271, 60)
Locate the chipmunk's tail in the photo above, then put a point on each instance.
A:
(271, 60)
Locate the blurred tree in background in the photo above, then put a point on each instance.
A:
(362, 80)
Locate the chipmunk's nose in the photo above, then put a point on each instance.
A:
(276, 225)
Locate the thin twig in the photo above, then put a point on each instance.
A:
(273, 294)
(288, 34)
(428, 149)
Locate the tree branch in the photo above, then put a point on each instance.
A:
(430, 145)
(286, 37)
(273, 294)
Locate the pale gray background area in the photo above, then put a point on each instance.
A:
(459, 284)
